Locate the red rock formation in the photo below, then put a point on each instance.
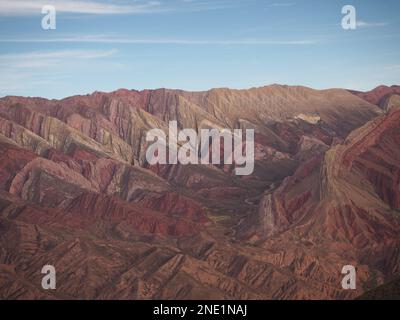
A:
(379, 95)
(344, 204)
(76, 192)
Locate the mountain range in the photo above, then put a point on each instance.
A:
(76, 192)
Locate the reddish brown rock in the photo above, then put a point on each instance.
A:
(76, 192)
(379, 95)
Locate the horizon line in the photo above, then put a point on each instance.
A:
(194, 91)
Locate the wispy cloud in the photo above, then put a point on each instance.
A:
(281, 4)
(42, 69)
(364, 24)
(28, 7)
(111, 7)
(40, 59)
(129, 40)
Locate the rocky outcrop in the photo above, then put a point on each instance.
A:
(380, 95)
(344, 204)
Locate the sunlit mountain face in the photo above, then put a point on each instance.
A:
(142, 193)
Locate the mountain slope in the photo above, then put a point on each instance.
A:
(344, 206)
(76, 192)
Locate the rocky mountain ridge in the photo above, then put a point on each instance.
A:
(77, 192)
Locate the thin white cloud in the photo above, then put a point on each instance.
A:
(364, 24)
(29, 7)
(282, 4)
(128, 40)
(28, 70)
(112, 7)
(40, 59)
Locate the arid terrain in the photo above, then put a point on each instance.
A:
(76, 192)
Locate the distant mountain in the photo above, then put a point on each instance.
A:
(381, 96)
(76, 192)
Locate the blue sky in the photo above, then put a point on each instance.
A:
(102, 45)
